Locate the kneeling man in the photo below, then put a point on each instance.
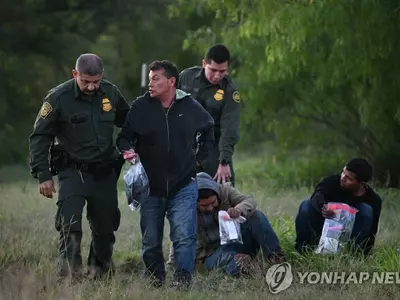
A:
(257, 232)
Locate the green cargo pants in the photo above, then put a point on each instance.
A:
(75, 189)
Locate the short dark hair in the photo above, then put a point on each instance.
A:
(90, 64)
(170, 70)
(206, 193)
(218, 53)
(361, 168)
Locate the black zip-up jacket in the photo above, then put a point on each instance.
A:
(166, 140)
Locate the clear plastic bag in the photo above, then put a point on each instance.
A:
(136, 185)
(336, 232)
(229, 229)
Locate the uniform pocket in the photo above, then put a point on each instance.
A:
(107, 124)
(78, 118)
(79, 128)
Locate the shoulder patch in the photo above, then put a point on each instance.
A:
(236, 96)
(45, 110)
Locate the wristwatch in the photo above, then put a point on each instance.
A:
(224, 162)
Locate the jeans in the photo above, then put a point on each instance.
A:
(309, 224)
(256, 233)
(181, 212)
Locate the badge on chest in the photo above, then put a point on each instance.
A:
(107, 104)
(219, 95)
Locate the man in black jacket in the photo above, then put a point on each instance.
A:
(349, 187)
(162, 127)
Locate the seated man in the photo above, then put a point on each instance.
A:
(351, 188)
(257, 232)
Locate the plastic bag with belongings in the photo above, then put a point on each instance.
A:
(136, 184)
(336, 232)
(229, 229)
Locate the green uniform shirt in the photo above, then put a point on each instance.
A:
(222, 101)
(83, 125)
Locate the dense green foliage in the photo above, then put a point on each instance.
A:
(314, 75)
(41, 40)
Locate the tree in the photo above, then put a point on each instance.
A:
(41, 40)
(320, 73)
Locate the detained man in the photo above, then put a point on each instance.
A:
(257, 233)
(350, 187)
(161, 128)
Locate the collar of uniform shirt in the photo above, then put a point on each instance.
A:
(78, 92)
(202, 76)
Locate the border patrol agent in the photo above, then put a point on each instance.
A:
(217, 93)
(80, 114)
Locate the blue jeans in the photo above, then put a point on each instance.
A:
(181, 212)
(309, 224)
(256, 233)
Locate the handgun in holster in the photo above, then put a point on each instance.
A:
(58, 158)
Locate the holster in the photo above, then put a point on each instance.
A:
(59, 159)
(102, 169)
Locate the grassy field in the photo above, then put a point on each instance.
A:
(28, 250)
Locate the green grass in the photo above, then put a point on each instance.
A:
(28, 250)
